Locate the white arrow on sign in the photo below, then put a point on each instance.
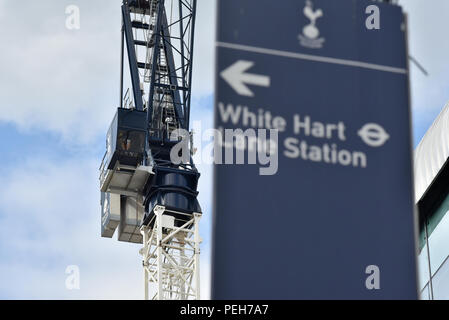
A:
(238, 79)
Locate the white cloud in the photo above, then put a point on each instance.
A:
(67, 81)
(50, 218)
(204, 57)
(56, 79)
(428, 44)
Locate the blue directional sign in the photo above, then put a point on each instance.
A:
(313, 189)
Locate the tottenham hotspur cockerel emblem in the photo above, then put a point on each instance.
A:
(310, 33)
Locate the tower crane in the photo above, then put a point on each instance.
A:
(149, 198)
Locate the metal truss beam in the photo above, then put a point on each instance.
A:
(171, 258)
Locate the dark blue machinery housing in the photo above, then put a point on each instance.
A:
(161, 183)
(176, 190)
(126, 138)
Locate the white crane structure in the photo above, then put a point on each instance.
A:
(171, 257)
(150, 198)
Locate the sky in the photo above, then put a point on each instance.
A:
(59, 89)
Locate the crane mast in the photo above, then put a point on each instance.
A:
(150, 198)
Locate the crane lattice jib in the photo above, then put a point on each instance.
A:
(167, 42)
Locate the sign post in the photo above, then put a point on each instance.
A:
(317, 202)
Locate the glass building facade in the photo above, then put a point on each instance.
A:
(434, 253)
(432, 194)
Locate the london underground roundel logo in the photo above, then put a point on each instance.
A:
(373, 135)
